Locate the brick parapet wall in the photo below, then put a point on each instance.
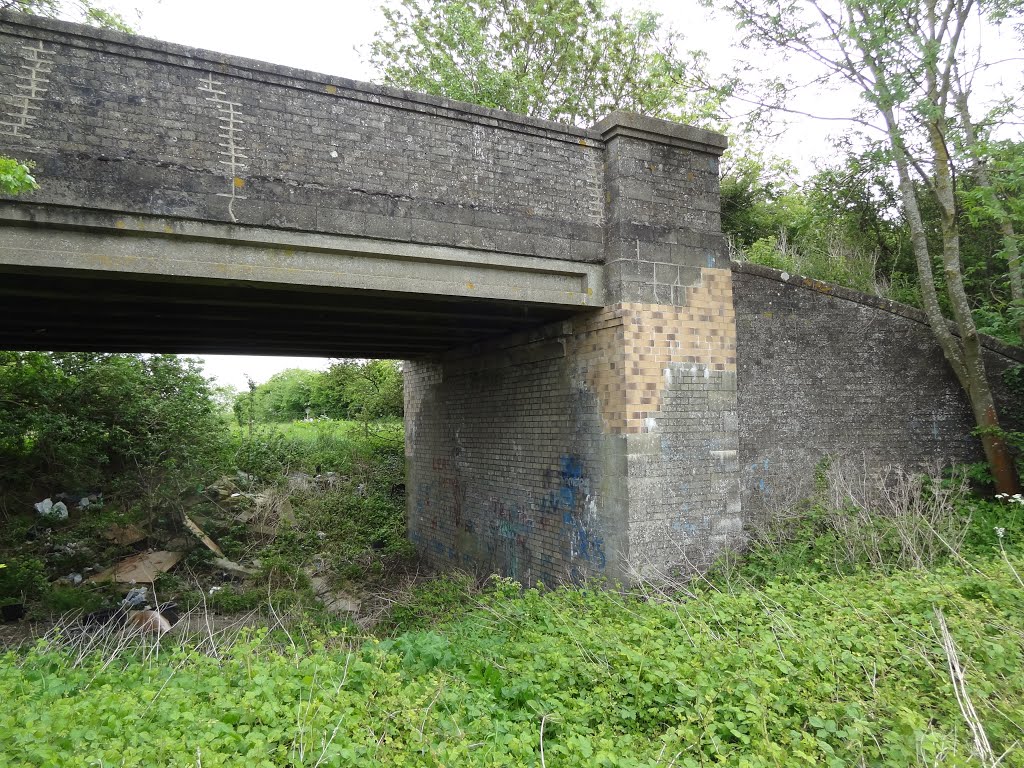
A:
(865, 299)
(137, 126)
(662, 208)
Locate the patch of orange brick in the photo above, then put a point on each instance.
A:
(623, 351)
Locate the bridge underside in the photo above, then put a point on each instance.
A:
(75, 310)
(80, 280)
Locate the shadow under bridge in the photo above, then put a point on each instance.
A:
(87, 282)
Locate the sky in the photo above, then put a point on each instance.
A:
(333, 36)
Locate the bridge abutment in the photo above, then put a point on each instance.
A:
(606, 445)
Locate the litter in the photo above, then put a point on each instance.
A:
(198, 532)
(143, 567)
(232, 567)
(124, 534)
(47, 509)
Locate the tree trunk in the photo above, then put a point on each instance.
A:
(975, 378)
(964, 354)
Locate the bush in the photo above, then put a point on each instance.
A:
(131, 424)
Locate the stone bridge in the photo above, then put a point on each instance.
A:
(592, 389)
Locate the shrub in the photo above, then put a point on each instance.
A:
(861, 517)
(134, 424)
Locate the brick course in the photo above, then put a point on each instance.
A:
(138, 126)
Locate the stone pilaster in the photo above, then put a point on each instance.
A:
(667, 382)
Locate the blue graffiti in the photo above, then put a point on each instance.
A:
(586, 546)
(572, 481)
(569, 501)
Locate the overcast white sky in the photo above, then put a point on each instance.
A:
(332, 37)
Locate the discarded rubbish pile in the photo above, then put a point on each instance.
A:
(106, 551)
(330, 546)
(134, 615)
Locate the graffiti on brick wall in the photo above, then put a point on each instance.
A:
(512, 529)
(573, 501)
(553, 535)
(438, 513)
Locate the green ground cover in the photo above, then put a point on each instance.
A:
(818, 671)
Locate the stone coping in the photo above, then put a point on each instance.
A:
(875, 302)
(80, 35)
(624, 123)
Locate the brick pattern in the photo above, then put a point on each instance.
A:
(659, 342)
(503, 466)
(525, 439)
(662, 220)
(825, 375)
(683, 475)
(123, 126)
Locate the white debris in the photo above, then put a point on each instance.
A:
(47, 509)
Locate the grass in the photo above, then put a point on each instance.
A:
(837, 669)
(849, 671)
(845, 637)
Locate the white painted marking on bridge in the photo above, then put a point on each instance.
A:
(230, 116)
(30, 89)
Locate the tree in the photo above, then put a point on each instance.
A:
(84, 11)
(286, 396)
(564, 60)
(907, 59)
(994, 196)
(365, 391)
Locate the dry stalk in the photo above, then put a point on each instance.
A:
(956, 675)
(543, 720)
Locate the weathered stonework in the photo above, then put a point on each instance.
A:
(827, 372)
(137, 126)
(607, 445)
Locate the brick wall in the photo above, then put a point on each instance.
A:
(505, 463)
(600, 447)
(132, 125)
(825, 371)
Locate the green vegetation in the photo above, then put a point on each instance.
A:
(810, 669)
(366, 391)
(303, 512)
(128, 425)
(83, 11)
(15, 177)
(827, 643)
(567, 60)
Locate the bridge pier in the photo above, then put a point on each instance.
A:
(605, 445)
